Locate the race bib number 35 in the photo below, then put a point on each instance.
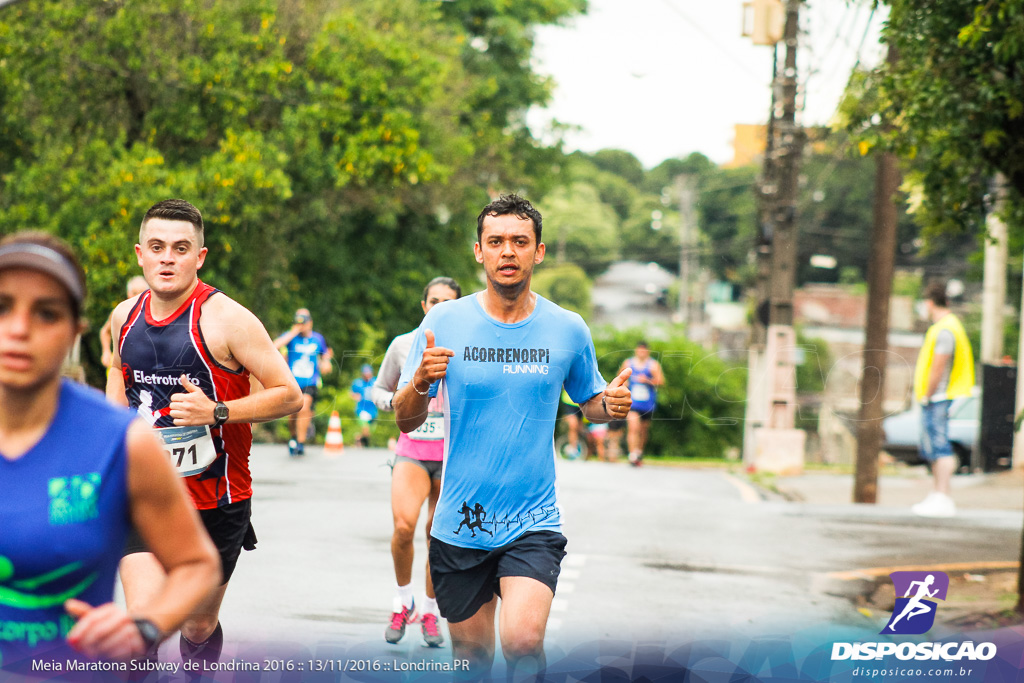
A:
(190, 449)
(432, 429)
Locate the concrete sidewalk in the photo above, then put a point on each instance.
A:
(907, 486)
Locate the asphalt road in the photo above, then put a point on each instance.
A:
(655, 555)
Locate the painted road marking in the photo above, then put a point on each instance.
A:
(748, 494)
(572, 565)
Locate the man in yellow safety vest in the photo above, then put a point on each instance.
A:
(944, 371)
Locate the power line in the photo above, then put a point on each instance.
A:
(700, 29)
(823, 59)
(860, 48)
(837, 155)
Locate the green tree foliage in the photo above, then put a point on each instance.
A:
(497, 39)
(726, 215)
(952, 102)
(662, 177)
(621, 163)
(339, 150)
(564, 283)
(646, 238)
(700, 408)
(614, 190)
(579, 228)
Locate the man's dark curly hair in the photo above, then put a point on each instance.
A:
(508, 204)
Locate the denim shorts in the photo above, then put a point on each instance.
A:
(935, 431)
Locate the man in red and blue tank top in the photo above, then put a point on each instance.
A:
(185, 351)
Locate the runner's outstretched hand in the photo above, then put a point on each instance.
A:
(433, 365)
(616, 396)
(191, 408)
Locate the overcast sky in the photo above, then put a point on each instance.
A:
(663, 78)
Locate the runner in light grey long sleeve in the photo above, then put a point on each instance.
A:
(415, 478)
(387, 377)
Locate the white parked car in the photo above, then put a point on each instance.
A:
(902, 431)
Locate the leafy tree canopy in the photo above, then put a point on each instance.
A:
(952, 102)
(579, 228)
(338, 150)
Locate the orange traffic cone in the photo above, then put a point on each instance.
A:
(333, 445)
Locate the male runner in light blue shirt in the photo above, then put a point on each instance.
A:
(504, 355)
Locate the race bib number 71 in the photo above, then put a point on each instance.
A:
(190, 449)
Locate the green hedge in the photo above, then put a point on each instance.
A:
(701, 406)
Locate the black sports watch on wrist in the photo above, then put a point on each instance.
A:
(220, 413)
(150, 632)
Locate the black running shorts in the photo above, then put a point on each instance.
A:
(466, 579)
(229, 528)
(313, 390)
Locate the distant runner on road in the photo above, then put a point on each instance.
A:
(309, 357)
(366, 409)
(503, 356)
(416, 477)
(643, 383)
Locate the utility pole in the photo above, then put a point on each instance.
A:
(993, 297)
(790, 146)
(770, 440)
(876, 342)
(766, 190)
(756, 377)
(876, 336)
(686, 191)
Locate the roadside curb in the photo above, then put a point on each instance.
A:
(758, 491)
(859, 585)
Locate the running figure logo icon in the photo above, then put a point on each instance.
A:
(479, 515)
(914, 612)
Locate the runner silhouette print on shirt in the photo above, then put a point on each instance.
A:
(479, 515)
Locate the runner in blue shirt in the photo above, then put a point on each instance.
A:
(504, 355)
(309, 357)
(643, 387)
(366, 409)
(75, 471)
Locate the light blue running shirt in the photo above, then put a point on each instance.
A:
(501, 399)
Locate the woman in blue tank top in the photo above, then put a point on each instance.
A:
(643, 383)
(75, 471)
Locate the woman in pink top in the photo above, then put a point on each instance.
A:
(416, 477)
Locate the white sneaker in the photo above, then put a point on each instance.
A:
(935, 505)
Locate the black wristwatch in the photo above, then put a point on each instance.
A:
(150, 632)
(220, 413)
